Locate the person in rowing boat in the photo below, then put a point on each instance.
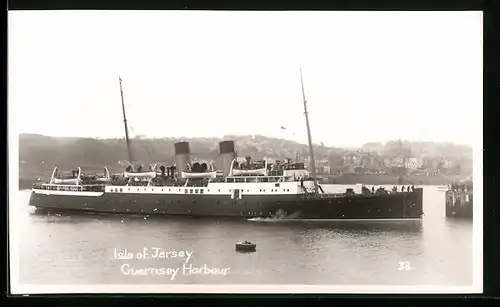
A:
(402, 188)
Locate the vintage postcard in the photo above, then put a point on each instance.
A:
(245, 152)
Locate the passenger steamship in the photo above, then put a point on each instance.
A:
(246, 188)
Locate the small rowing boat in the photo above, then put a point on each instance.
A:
(246, 246)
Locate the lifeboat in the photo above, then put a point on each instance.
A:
(71, 181)
(241, 171)
(139, 175)
(250, 172)
(106, 178)
(66, 181)
(103, 180)
(189, 175)
(199, 171)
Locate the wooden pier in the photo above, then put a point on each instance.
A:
(459, 200)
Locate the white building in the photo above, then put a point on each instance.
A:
(414, 163)
(448, 164)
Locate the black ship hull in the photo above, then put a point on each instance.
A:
(407, 205)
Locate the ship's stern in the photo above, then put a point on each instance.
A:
(34, 199)
(414, 203)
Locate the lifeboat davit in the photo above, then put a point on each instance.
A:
(71, 181)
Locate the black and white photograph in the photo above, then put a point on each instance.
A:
(245, 151)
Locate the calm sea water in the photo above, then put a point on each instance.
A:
(80, 249)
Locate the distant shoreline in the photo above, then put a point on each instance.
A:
(391, 179)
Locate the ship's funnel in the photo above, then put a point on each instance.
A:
(227, 154)
(182, 156)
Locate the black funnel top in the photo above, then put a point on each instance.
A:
(226, 147)
(181, 148)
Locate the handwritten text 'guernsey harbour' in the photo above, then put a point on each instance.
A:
(154, 253)
(126, 269)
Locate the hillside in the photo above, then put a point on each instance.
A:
(38, 154)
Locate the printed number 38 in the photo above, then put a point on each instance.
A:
(404, 266)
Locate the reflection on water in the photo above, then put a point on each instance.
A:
(80, 248)
(53, 216)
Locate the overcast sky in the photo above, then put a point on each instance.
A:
(368, 76)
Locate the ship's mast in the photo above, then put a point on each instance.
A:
(129, 149)
(311, 151)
